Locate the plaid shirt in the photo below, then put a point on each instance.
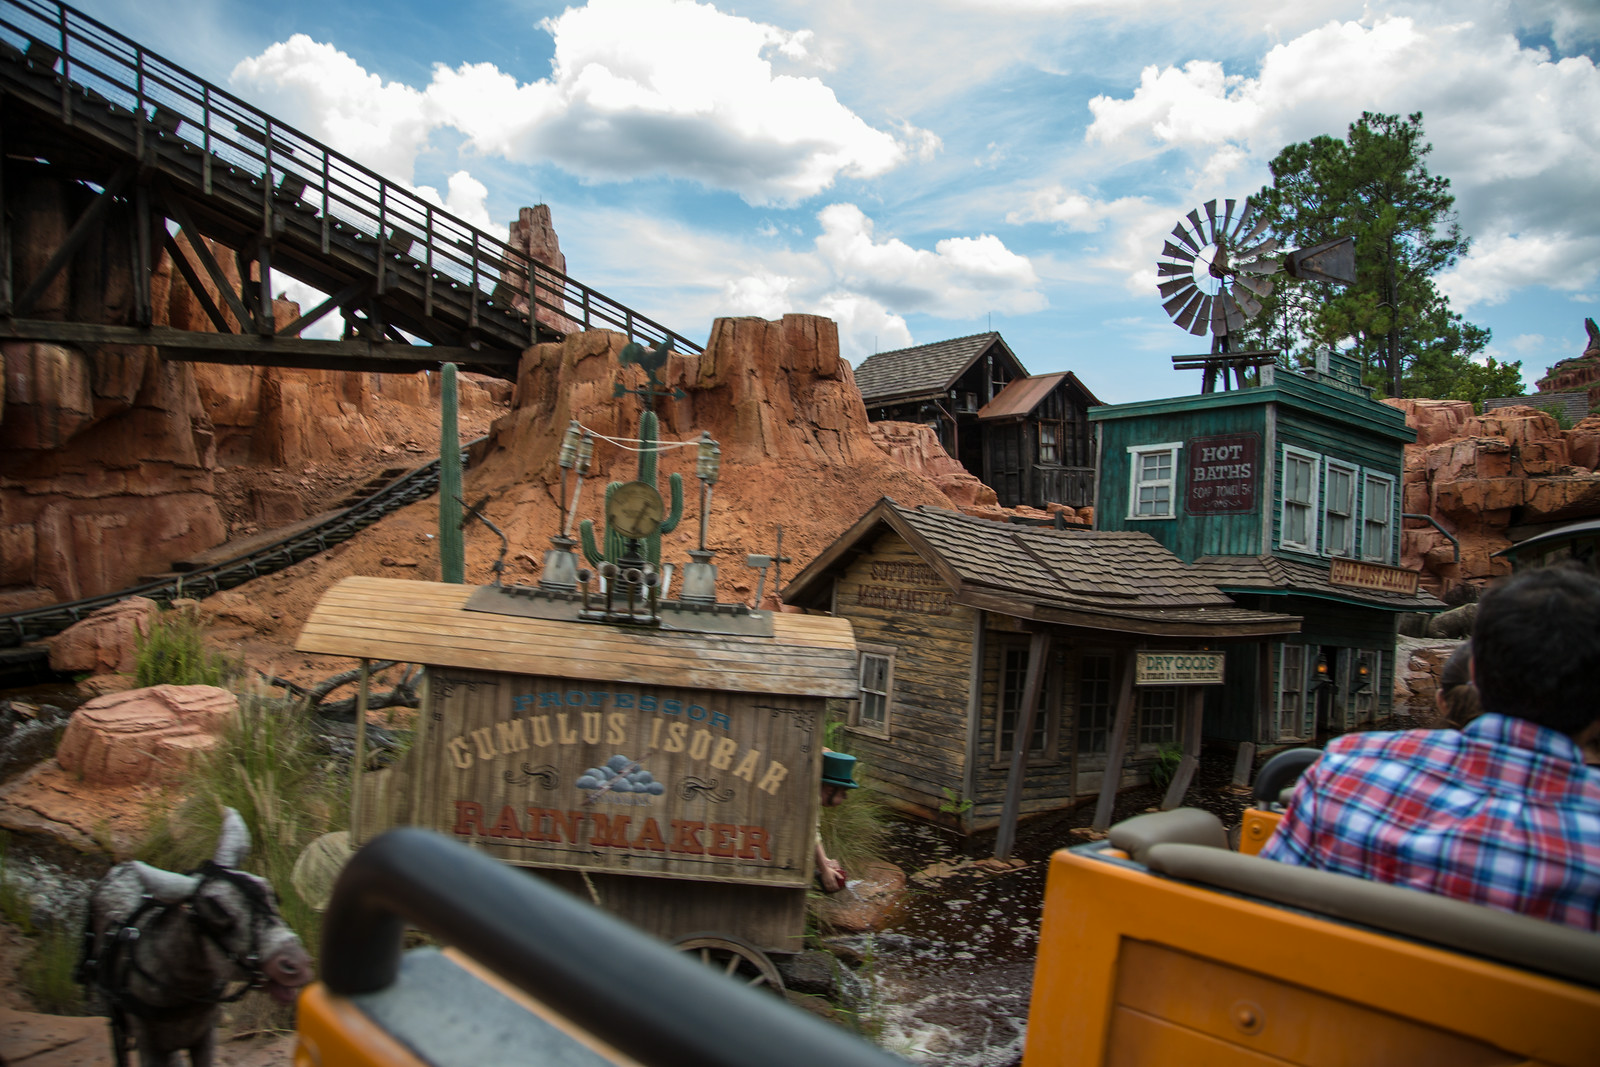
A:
(1502, 813)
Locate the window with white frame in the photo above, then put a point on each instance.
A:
(1298, 523)
(1339, 510)
(1377, 518)
(876, 687)
(1152, 491)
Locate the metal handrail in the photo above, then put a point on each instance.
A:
(605, 978)
(169, 106)
(36, 623)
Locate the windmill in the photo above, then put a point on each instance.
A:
(1214, 270)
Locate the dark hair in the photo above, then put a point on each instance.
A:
(1456, 690)
(1536, 648)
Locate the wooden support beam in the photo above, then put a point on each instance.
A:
(5, 220)
(250, 349)
(249, 295)
(266, 318)
(344, 296)
(185, 268)
(1194, 713)
(1117, 744)
(180, 213)
(143, 266)
(1038, 657)
(87, 223)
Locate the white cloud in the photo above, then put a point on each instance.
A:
(1503, 263)
(465, 197)
(384, 125)
(638, 88)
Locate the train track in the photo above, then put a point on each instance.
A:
(21, 627)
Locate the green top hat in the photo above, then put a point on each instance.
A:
(839, 769)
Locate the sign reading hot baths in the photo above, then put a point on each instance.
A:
(632, 778)
(1223, 473)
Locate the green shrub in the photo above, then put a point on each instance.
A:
(174, 653)
(268, 768)
(1168, 757)
(46, 974)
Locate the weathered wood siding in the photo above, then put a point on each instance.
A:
(724, 784)
(1187, 536)
(893, 599)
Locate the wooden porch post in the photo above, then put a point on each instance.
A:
(1194, 713)
(1118, 743)
(362, 697)
(1038, 650)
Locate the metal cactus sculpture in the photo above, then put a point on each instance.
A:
(615, 541)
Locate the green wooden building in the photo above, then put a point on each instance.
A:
(1286, 496)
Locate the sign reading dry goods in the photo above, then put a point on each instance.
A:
(624, 778)
(1178, 668)
(1223, 473)
(1359, 574)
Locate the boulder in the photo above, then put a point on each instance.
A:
(103, 643)
(144, 735)
(865, 903)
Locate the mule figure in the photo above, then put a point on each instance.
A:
(163, 949)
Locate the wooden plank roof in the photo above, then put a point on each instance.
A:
(1115, 580)
(1022, 395)
(427, 622)
(1277, 575)
(923, 370)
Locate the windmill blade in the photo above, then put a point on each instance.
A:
(1202, 318)
(1265, 248)
(1183, 296)
(1258, 286)
(1186, 316)
(1259, 267)
(1211, 220)
(1185, 269)
(1246, 216)
(1248, 304)
(1174, 252)
(1233, 317)
(1227, 216)
(1219, 315)
(1186, 237)
(1178, 285)
(1199, 227)
(1256, 230)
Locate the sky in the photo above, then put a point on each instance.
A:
(925, 171)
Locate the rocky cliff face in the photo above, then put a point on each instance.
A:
(1478, 475)
(111, 457)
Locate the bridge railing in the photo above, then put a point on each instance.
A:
(99, 69)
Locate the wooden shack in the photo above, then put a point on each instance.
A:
(1285, 495)
(1038, 446)
(958, 618)
(664, 771)
(1027, 437)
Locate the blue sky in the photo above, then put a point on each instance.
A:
(918, 172)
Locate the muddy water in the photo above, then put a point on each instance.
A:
(948, 981)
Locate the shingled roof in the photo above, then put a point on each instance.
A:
(1275, 574)
(1112, 580)
(923, 370)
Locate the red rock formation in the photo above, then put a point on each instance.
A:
(144, 734)
(1479, 474)
(533, 233)
(916, 448)
(106, 641)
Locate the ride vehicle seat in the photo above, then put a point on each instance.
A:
(1162, 945)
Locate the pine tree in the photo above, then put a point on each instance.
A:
(1375, 186)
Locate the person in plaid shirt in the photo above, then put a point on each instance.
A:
(1503, 812)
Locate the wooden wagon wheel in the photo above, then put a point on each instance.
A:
(733, 957)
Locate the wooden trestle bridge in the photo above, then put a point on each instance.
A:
(416, 286)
